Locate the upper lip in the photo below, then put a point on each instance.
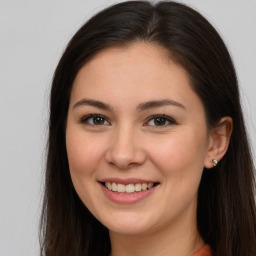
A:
(127, 181)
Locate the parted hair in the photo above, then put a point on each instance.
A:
(226, 212)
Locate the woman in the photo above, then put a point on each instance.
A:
(147, 150)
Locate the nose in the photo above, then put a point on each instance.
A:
(126, 149)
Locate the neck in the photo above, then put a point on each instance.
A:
(178, 239)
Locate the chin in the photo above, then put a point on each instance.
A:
(128, 224)
(129, 230)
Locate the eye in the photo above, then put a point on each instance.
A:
(160, 120)
(95, 119)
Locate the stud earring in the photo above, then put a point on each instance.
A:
(215, 162)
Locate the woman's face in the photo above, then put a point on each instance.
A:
(134, 122)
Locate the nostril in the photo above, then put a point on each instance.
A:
(125, 154)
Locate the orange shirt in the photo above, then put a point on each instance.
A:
(204, 251)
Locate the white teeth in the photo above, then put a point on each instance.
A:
(138, 187)
(114, 187)
(130, 188)
(121, 188)
(144, 186)
(108, 185)
(150, 185)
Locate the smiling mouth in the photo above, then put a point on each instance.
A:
(129, 188)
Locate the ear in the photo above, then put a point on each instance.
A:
(218, 141)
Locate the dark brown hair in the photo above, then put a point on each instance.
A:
(226, 205)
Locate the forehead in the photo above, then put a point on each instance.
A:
(138, 72)
(145, 49)
(131, 61)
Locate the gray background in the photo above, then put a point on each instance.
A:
(33, 35)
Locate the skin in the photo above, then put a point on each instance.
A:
(127, 143)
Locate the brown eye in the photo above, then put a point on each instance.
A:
(95, 120)
(160, 121)
(98, 120)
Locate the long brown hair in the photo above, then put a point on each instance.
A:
(226, 205)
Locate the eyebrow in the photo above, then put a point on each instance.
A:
(93, 103)
(159, 103)
(140, 107)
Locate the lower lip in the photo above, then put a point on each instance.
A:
(123, 198)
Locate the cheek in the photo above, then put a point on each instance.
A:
(180, 159)
(83, 153)
(182, 154)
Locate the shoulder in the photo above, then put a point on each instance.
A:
(204, 251)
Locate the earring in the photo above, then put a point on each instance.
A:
(215, 162)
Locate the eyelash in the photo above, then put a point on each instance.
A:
(164, 118)
(85, 119)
